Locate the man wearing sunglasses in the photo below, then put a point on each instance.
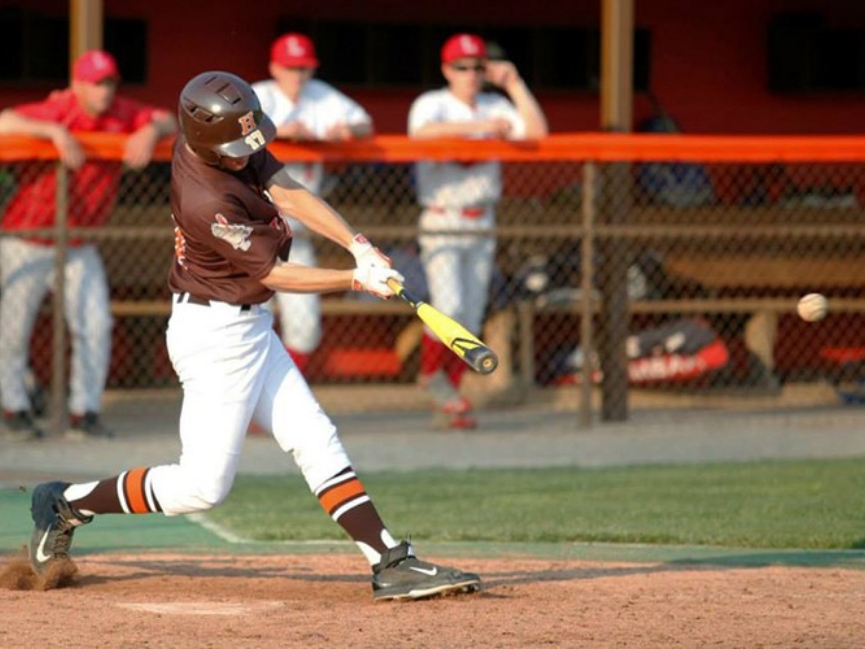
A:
(460, 198)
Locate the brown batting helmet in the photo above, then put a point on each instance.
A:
(220, 116)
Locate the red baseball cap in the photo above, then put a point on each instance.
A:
(95, 66)
(294, 51)
(464, 46)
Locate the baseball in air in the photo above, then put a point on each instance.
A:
(813, 307)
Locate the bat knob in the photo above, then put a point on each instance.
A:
(489, 364)
(482, 360)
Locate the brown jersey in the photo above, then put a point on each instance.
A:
(227, 234)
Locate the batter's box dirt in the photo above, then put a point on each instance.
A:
(326, 601)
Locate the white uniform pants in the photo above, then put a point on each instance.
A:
(26, 276)
(458, 267)
(300, 313)
(233, 369)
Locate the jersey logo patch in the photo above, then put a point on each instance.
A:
(236, 235)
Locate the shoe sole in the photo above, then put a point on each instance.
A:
(442, 590)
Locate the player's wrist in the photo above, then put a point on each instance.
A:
(359, 246)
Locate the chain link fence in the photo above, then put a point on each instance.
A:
(662, 273)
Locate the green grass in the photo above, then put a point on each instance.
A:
(797, 504)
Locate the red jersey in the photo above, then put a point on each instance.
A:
(93, 187)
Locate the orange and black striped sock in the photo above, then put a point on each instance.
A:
(346, 502)
(129, 493)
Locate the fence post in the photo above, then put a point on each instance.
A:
(58, 346)
(614, 316)
(587, 291)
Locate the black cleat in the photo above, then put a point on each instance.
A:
(21, 427)
(401, 575)
(55, 521)
(88, 426)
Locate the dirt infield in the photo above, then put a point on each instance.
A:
(324, 601)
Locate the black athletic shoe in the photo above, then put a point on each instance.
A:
(87, 426)
(55, 521)
(21, 427)
(401, 575)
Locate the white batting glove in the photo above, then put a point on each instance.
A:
(373, 279)
(366, 254)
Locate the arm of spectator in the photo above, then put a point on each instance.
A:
(296, 131)
(68, 148)
(343, 131)
(495, 127)
(504, 74)
(139, 147)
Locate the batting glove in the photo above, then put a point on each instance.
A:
(373, 279)
(366, 254)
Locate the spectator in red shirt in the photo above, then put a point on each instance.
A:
(89, 105)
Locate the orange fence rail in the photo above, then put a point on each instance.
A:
(602, 147)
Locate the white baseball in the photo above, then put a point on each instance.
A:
(813, 307)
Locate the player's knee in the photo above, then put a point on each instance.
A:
(209, 494)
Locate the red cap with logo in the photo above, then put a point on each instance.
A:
(294, 51)
(95, 66)
(464, 46)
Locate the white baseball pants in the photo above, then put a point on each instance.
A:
(233, 368)
(26, 276)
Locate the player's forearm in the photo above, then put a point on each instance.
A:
(529, 109)
(313, 212)
(163, 123)
(11, 123)
(433, 130)
(296, 278)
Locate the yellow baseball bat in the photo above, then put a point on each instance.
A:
(460, 340)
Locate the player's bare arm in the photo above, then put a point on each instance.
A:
(504, 75)
(296, 131)
(343, 132)
(138, 150)
(496, 127)
(70, 151)
(292, 198)
(297, 278)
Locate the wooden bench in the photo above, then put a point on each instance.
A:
(755, 307)
(738, 277)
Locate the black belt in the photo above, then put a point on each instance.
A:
(189, 298)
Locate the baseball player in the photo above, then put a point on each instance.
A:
(304, 109)
(231, 250)
(90, 104)
(462, 197)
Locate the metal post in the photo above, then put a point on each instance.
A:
(617, 84)
(587, 290)
(58, 347)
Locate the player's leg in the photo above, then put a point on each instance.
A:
(218, 359)
(302, 427)
(476, 265)
(88, 314)
(443, 262)
(440, 257)
(26, 272)
(300, 313)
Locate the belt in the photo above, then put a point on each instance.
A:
(468, 212)
(189, 298)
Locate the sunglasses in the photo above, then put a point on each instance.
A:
(477, 67)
